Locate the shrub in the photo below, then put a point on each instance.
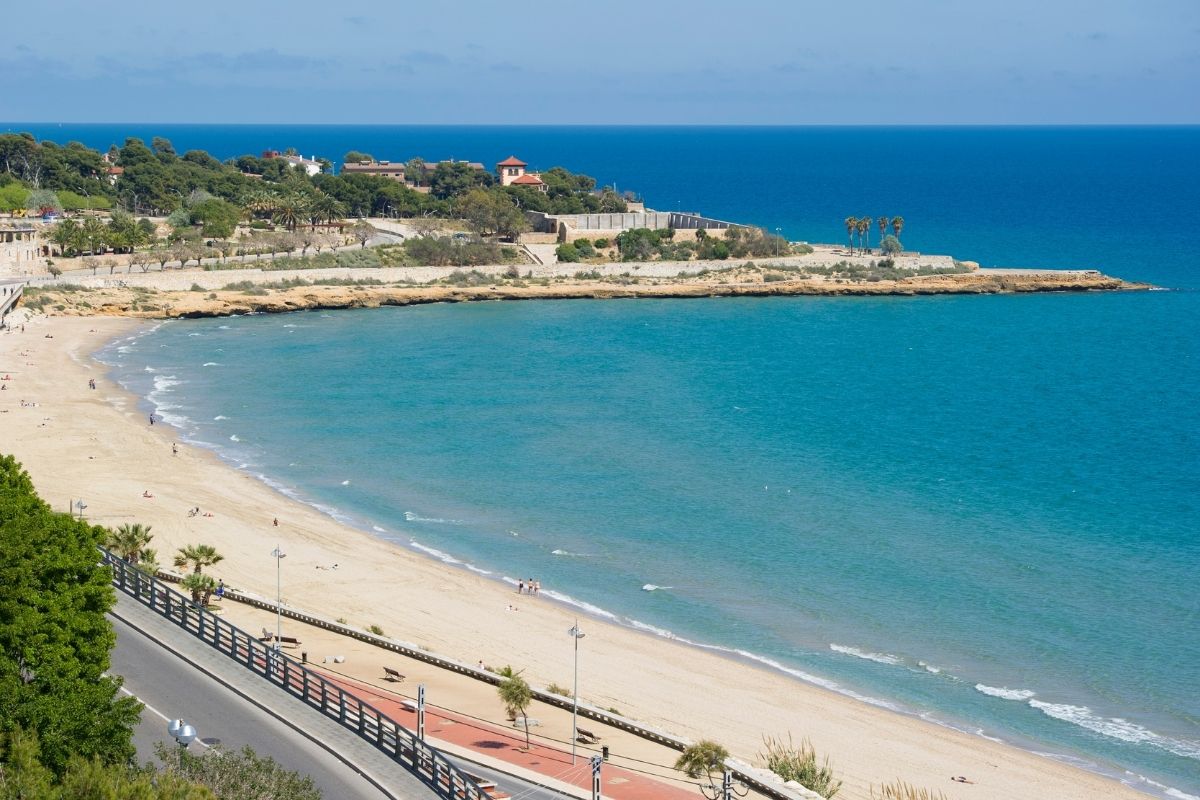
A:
(567, 253)
(375, 629)
(773, 277)
(554, 688)
(601, 242)
(890, 245)
(591, 275)
(799, 763)
(196, 288)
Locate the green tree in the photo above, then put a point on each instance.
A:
(851, 224)
(326, 208)
(12, 197)
(197, 556)
(864, 234)
(354, 156)
(66, 235)
(451, 179)
(201, 586)
(492, 213)
(129, 540)
(897, 225)
(238, 774)
(43, 201)
(54, 637)
(883, 223)
(92, 234)
(516, 696)
(702, 759)
(890, 245)
(218, 218)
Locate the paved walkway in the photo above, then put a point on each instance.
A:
(465, 733)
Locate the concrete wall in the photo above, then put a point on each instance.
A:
(182, 280)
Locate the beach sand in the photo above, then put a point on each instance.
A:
(97, 444)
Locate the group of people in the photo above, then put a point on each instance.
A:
(529, 586)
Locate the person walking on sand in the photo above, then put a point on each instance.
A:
(151, 419)
(174, 449)
(275, 522)
(520, 587)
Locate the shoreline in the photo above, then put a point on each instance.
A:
(910, 751)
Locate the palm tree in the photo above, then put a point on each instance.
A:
(702, 759)
(66, 236)
(883, 226)
(326, 208)
(516, 696)
(129, 541)
(851, 224)
(201, 587)
(289, 211)
(198, 555)
(897, 225)
(864, 234)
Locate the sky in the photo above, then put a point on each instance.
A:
(765, 62)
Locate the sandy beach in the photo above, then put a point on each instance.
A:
(97, 445)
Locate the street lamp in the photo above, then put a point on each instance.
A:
(279, 556)
(79, 504)
(182, 732)
(575, 634)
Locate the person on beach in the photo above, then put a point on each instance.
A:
(146, 493)
(221, 588)
(275, 522)
(174, 449)
(520, 587)
(151, 419)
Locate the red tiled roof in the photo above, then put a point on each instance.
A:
(512, 161)
(116, 170)
(527, 180)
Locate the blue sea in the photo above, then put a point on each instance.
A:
(981, 510)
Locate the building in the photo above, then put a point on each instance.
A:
(310, 165)
(510, 170)
(384, 169)
(512, 173)
(20, 248)
(530, 180)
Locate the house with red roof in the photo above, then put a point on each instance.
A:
(512, 173)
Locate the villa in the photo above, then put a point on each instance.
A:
(512, 173)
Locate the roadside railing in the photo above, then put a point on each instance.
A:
(403, 746)
(10, 294)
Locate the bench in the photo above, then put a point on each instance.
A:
(392, 675)
(289, 641)
(587, 737)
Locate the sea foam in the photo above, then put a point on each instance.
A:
(879, 658)
(1004, 692)
(1117, 728)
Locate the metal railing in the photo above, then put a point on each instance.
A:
(10, 293)
(400, 744)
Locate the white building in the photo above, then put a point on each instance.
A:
(309, 165)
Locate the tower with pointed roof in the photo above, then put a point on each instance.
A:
(510, 169)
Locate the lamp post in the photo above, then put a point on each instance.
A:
(575, 634)
(79, 504)
(279, 556)
(183, 733)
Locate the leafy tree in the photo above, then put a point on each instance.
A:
(218, 218)
(890, 245)
(492, 213)
(54, 637)
(450, 179)
(702, 759)
(355, 156)
(516, 696)
(43, 201)
(414, 171)
(197, 556)
(567, 253)
(239, 775)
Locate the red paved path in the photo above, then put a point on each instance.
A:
(508, 745)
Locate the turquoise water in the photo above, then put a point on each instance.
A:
(982, 510)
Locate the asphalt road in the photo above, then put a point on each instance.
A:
(171, 687)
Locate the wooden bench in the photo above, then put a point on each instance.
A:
(289, 641)
(587, 737)
(392, 675)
